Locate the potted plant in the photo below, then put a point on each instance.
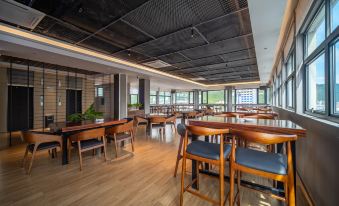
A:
(89, 114)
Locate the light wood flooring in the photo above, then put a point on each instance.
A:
(143, 179)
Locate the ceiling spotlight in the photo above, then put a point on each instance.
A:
(129, 53)
(265, 48)
(192, 32)
(226, 65)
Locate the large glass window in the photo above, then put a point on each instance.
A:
(335, 63)
(334, 14)
(316, 32)
(246, 96)
(261, 96)
(182, 97)
(290, 74)
(216, 97)
(315, 85)
(161, 97)
(204, 97)
(167, 97)
(153, 97)
(134, 98)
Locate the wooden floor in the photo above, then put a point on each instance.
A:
(144, 179)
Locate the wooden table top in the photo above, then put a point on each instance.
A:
(259, 125)
(88, 124)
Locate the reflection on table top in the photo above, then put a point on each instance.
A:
(264, 125)
(87, 124)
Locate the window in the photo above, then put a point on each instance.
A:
(290, 78)
(204, 97)
(316, 32)
(161, 97)
(261, 96)
(191, 98)
(167, 97)
(216, 97)
(279, 89)
(315, 85)
(246, 96)
(335, 66)
(153, 97)
(182, 97)
(99, 92)
(134, 98)
(334, 14)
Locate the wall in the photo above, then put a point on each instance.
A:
(317, 153)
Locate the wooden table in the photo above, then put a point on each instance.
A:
(259, 125)
(67, 129)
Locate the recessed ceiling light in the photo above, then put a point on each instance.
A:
(265, 48)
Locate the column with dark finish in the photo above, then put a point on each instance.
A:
(196, 99)
(120, 96)
(144, 94)
(3, 108)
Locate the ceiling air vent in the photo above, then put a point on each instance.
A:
(19, 14)
(157, 64)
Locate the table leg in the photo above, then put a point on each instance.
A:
(64, 150)
(194, 167)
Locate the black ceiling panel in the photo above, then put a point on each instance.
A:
(170, 43)
(89, 15)
(123, 34)
(130, 56)
(229, 26)
(200, 62)
(221, 47)
(56, 29)
(173, 58)
(99, 45)
(243, 54)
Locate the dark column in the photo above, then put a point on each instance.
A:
(196, 98)
(144, 94)
(120, 96)
(229, 98)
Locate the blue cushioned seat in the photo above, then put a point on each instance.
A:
(269, 162)
(87, 143)
(43, 146)
(207, 150)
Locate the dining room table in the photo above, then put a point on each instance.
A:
(275, 126)
(66, 129)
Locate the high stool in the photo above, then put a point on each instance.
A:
(274, 166)
(201, 151)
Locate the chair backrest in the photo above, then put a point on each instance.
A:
(158, 120)
(127, 127)
(192, 114)
(260, 116)
(139, 119)
(35, 137)
(88, 134)
(181, 129)
(263, 138)
(172, 118)
(205, 131)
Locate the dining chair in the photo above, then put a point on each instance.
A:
(121, 133)
(275, 166)
(200, 151)
(87, 140)
(38, 141)
(158, 123)
(140, 121)
(172, 121)
(233, 114)
(259, 116)
(191, 115)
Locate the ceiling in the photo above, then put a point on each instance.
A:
(210, 42)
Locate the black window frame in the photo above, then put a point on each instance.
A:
(290, 77)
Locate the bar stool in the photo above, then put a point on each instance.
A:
(276, 166)
(211, 153)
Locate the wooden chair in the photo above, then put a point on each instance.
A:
(37, 142)
(191, 114)
(140, 121)
(278, 167)
(260, 116)
(158, 123)
(87, 140)
(172, 120)
(121, 133)
(234, 114)
(211, 153)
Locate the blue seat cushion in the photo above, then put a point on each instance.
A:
(85, 144)
(43, 146)
(207, 150)
(265, 161)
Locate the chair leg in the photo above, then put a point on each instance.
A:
(132, 144)
(80, 156)
(32, 159)
(286, 190)
(231, 186)
(116, 147)
(25, 158)
(69, 145)
(178, 156)
(238, 186)
(222, 184)
(183, 171)
(197, 171)
(105, 149)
